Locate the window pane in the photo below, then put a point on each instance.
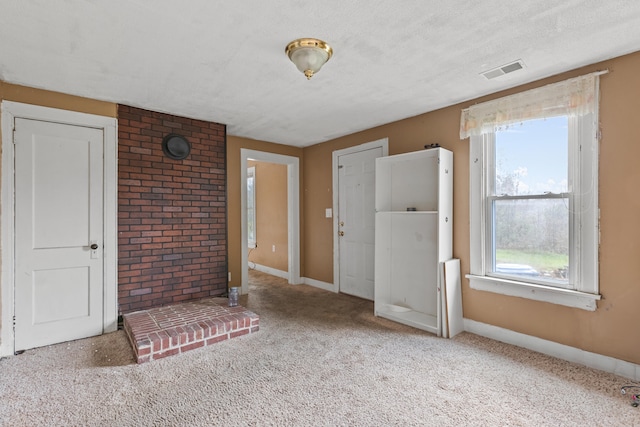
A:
(531, 239)
(532, 158)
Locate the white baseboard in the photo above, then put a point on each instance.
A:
(6, 349)
(550, 348)
(318, 284)
(271, 271)
(285, 275)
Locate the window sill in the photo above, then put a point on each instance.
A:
(566, 297)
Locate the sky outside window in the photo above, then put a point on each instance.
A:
(533, 157)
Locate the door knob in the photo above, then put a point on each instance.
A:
(94, 246)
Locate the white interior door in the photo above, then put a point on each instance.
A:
(58, 232)
(356, 221)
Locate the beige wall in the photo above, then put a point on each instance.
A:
(45, 98)
(234, 145)
(405, 135)
(612, 329)
(27, 95)
(271, 216)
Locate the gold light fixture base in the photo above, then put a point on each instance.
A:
(309, 55)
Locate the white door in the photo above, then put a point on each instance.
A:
(58, 232)
(356, 221)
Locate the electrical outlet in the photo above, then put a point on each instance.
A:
(273, 248)
(229, 276)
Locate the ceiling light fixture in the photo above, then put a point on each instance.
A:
(309, 55)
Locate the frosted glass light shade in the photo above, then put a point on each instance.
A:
(309, 55)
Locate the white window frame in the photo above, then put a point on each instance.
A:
(252, 240)
(584, 235)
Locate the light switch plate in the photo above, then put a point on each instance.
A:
(328, 213)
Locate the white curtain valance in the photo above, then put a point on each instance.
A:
(575, 96)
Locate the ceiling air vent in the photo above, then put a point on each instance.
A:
(504, 69)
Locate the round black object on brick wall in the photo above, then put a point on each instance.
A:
(176, 146)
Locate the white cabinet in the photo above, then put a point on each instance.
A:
(414, 216)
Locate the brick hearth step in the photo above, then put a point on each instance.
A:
(164, 331)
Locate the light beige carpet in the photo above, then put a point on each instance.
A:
(319, 359)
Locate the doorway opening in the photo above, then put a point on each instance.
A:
(293, 212)
(267, 218)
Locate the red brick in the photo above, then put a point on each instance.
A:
(166, 353)
(156, 342)
(159, 198)
(192, 346)
(238, 333)
(217, 339)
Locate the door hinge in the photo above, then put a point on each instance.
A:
(340, 166)
(14, 323)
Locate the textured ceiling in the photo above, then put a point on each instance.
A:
(225, 61)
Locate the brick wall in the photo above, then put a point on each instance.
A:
(172, 231)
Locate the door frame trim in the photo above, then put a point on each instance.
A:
(379, 143)
(11, 110)
(293, 212)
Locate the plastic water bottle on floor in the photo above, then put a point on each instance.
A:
(233, 296)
